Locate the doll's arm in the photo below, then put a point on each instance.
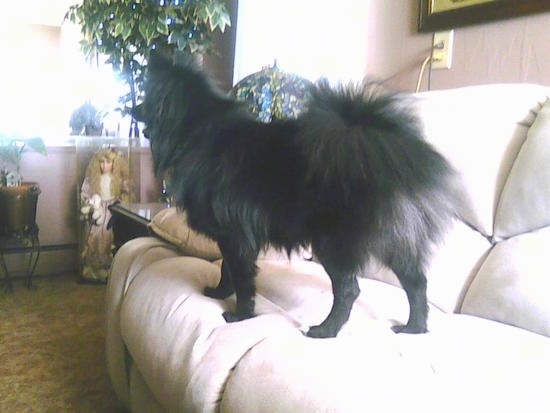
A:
(98, 215)
(94, 206)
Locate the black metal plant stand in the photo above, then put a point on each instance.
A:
(26, 242)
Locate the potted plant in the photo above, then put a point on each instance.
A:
(86, 120)
(18, 199)
(126, 31)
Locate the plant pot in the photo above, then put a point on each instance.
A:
(18, 208)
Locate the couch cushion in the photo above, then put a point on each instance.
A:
(525, 201)
(480, 129)
(167, 325)
(192, 360)
(303, 292)
(171, 225)
(185, 350)
(513, 283)
(465, 364)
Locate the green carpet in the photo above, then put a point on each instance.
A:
(52, 348)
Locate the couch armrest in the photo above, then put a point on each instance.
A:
(130, 259)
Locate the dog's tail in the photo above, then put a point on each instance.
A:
(368, 157)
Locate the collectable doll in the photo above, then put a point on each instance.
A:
(107, 181)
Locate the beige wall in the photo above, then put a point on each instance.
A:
(515, 50)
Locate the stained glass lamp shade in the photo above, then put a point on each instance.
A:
(272, 93)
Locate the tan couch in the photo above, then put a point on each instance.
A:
(488, 349)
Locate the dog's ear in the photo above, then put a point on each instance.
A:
(187, 61)
(138, 113)
(157, 60)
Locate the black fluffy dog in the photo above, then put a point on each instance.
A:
(352, 177)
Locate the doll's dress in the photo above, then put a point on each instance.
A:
(97, 254)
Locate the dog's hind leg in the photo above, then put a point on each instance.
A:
(414, 283)
(225, 287)
(345, 289)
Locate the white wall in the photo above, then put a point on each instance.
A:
(312, 38)
(45, 77)
(46, 12)
(505, 51)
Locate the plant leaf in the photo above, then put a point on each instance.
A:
(36, 144)
(124, 30)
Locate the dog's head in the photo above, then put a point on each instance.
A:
(166, 87)
(179, 101)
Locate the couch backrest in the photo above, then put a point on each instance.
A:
(524, 203)
(498, 139)
(480, 130)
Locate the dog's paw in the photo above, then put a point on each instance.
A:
(406, 329)
(232, 317)
(218, 293)
(320, 332)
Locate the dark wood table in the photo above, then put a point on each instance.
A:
(22, 242)
(131, 220)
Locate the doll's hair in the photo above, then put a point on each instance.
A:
(121, 186)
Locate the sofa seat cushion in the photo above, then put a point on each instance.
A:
(191, 359)
(185, 350)
(465, 364)
(513, 284)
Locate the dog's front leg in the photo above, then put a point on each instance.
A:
(240, 273)
(225, 287)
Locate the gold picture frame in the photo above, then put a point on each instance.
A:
(438, 15)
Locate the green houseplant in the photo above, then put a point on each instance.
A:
(18, 200)
(126, 31)
(86, 120)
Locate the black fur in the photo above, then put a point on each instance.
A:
(352, 177)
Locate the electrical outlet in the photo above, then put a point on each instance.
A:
(442, 55)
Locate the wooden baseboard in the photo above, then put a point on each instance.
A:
(54, 259)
